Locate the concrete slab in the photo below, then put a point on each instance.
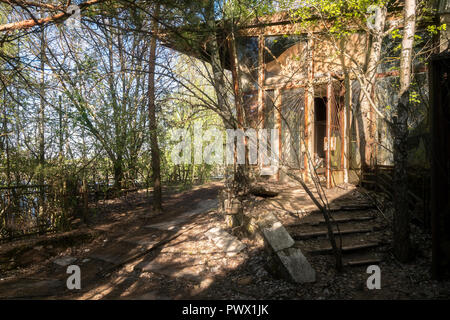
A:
(64, 261)
(225, 241)
(292, 263)
(297, 266)
(142, 240)
(274, 233)
(203, 206)
(168, 226)
(174, 225)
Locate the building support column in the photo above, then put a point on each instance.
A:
(329, 106)
(346, 129)
(261, 120)
(309, 113)
(278, 102)
(261, 82)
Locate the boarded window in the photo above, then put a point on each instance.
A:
(337, 128)
(247, 51)
(292, 127)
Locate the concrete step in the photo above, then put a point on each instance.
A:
(361, 262)
(345, 249)
(362, 258)
(321, 233)
(338, 219)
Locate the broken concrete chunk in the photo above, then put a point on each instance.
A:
(64, 261)
(296, 266)
(274, 233)
(292, 264)
(225, 241)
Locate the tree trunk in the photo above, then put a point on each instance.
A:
(85, 194)
(118, 174)
(401, 228)
(407, 44)
(367, 124)
(402, 241)
(237, 180)
(156, 162)
(41, 129)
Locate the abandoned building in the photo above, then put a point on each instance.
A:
(294, 82)
(293, 78)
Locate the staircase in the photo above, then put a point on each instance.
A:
(369, 179)
(322, 175)
(362, 230)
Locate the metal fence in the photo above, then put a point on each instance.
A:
(29, 209)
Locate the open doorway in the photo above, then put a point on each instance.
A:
(320, 130)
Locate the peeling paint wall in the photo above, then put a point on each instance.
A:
(284, 59)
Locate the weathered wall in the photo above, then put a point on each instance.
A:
(284, 60)
(285, 68)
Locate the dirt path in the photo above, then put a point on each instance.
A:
(115, 262)
(36, 268)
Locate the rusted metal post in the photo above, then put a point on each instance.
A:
(261, 120)
(346, 139)
(261, 81)
(329, 106)
(278, 107)
(309, 110)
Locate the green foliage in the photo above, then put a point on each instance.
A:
(433, 29)
(396, 34)
(341, 15)
(246, 9)
(414, 97)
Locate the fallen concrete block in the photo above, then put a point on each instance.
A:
(297, 266)
(274, 233)
(290, 262)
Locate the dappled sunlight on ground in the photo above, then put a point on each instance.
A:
(124, 260)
